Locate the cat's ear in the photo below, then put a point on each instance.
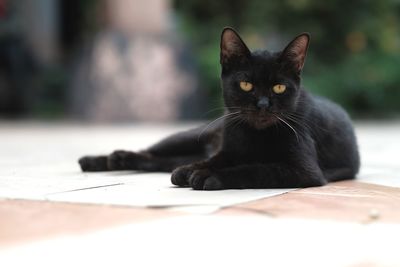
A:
(232, 47)
(295, 52)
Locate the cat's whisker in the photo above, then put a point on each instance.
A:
(299, 120)
(295, 120)
(221, 109)
(301, 133)
(302, 122)
(305, 120)
(234, 121)
(241, 120)
(231, 119)
(286, 123)
(214, 121)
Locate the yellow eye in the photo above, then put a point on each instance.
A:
(246, 86)
(279, 88)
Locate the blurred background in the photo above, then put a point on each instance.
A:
(158, 60)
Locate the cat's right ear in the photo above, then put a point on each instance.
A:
(296, 51)
(233, 49)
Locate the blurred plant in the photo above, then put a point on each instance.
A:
(50, 95)
(30, 86)
(354, 56)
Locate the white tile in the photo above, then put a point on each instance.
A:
(155, 190)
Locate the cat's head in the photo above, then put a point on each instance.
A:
(261, 87)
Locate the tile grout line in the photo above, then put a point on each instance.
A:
(81, 189)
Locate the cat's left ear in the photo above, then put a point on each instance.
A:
(296, 51)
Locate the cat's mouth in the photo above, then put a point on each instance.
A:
(261, 120)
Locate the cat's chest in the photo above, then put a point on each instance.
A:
(257, 146)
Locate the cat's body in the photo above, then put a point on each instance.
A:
(273, 134)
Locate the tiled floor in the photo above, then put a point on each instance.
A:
(51, 213)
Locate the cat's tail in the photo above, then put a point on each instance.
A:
(340, 174)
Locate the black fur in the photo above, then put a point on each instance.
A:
(292, 139)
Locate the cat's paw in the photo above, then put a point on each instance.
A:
(180, 176)
(198, 179)
(205, 179)
(122, 160)
(93, 163)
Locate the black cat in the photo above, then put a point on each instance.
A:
(273, 134)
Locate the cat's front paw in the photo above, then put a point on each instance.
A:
(180, 176)
(93, 163)
(123, 160)
(205, 179)
(198, 179)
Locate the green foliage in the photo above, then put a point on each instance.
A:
(354, 57)
(50, 94)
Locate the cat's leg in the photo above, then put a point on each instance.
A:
(273, 175)
(300, 169)
(176, 150)
(93, 163)
(143, 161)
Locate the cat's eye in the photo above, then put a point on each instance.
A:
(279, 88)
(246, 86)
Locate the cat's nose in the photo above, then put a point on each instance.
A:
(263, 102)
